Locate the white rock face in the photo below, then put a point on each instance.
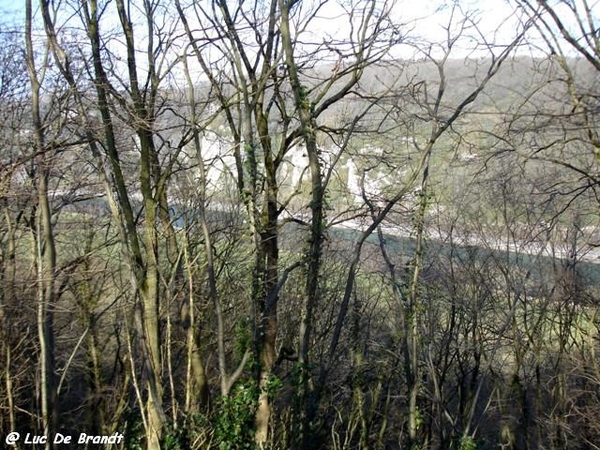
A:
(218, 158)
(298, 161)
(217, 154)
(353, 181)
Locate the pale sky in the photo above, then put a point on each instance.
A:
(491, 20)
(432, 15)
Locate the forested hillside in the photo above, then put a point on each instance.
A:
(293, 224)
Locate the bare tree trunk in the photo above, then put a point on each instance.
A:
(197, 395)
(45, 246)
(6, 293)
(308, 125)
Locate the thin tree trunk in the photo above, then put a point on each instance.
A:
(314, 252)
(45, 246)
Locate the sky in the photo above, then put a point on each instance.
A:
(491, 20)
(405, 11)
